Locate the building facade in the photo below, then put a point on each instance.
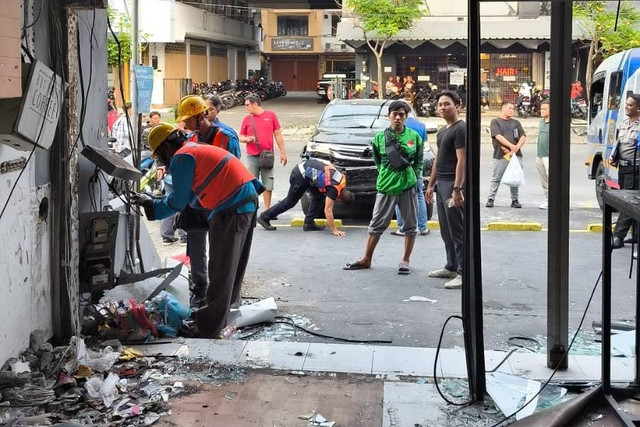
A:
(196, 42)
(515, 47)
(300, 45)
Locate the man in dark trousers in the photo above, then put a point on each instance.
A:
(508, 138)
(192, 110)
(447, 178)
(325, 185)
(627, 160)
(210, 179)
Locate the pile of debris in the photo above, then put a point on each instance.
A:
(111, 385)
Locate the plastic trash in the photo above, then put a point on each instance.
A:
(252, 314)
(97, 388)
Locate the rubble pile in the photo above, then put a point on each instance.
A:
(112, 385)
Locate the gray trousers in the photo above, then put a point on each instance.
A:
(167, 231)
(451, 226)
(230, 236)
(197, 253)
(385, 206)
(499, 166)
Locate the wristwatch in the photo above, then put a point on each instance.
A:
(457, 189)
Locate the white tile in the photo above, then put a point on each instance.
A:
(590, 365)
(622, 368)
(403, 360)
(452, 363)
(224, 352)
(408, 404)
(339, 358)
(274, 355)
(534, 366)
(492, 358)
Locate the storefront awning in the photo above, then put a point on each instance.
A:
(440, 31)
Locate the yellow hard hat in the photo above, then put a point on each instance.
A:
(190, 105)
(159, 133)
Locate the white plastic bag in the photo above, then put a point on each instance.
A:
(513, 175)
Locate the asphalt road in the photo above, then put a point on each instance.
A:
(304, 270)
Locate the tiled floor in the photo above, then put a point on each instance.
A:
(387, 360)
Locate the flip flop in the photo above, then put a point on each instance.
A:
(356, 265)
(397, 233)
(404, 269)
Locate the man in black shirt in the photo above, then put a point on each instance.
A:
(508, 138)
(447, 177)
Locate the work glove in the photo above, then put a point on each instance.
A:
(146, 202)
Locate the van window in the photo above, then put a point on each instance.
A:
(615, 90)
(596, 94)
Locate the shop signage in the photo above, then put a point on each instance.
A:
(508, 56)
(424, 78)
(509, 78)
(144, 87)
(291, 43)
(506, 71)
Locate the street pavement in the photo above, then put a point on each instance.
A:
(304, 270)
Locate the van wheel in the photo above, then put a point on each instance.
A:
(601, 184)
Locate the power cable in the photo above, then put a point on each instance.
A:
(289, 321)
(564, 355)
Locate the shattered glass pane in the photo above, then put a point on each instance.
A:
(510, 393)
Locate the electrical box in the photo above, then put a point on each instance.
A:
(10, 72)
(98, 235)
(33, 118)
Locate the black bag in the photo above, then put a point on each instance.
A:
(266, 156)
(191, 219)
(397, 157)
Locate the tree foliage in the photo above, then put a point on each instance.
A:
(380, 20)
(122, 27)
(599, 22)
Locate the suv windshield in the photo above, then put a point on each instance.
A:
(355, 116)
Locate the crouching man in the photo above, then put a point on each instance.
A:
(325, 185)
(210, 179)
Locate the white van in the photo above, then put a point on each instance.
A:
(616, 77)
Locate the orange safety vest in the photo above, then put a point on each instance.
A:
(218, 174)
(329, 175)
(219, 140)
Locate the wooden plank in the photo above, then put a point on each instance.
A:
(10, 68)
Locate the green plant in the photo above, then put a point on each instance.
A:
(380, 20)
(122, 27)
(599, 23)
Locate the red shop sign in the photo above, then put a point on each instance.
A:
(506, 71)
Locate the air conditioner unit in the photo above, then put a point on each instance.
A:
(32, 119)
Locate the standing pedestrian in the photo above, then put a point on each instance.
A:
(447, 180)
(258, 130)
(214, 106)
(508, 137)
(421, 129)
(397, 152)
(210, 179)
(542, 162)
(192, 111)
(627, 160)
(120, 132)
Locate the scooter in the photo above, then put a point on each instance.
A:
(579, 108)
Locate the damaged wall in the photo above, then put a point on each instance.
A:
(25, 225)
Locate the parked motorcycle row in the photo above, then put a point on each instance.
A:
(232, 94)
(530, 98)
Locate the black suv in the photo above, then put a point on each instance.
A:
(343, 136)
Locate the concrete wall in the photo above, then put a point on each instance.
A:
(25, 282)
(315, 31)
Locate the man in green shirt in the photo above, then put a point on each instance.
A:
(542, 162)
(397, 152)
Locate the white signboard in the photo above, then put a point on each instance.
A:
(424, 78)
(387, 69)
(457, 77)
(509, 78)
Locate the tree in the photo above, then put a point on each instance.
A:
(122, 27)
(599, 23)
(380, 20)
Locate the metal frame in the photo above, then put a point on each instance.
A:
(558, 242)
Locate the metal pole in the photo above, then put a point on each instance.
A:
(135, 128)
(559, 176)
(135, 60)
(472, 272)
(606, 299)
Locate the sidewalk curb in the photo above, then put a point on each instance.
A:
(299, 222)
(514, 226)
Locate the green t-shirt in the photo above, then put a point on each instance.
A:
(543, 139)
(391, 182)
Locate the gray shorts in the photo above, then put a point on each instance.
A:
(385, 207)
(264, 175)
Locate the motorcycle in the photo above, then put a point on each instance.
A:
(523, 100)
(579, 108)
